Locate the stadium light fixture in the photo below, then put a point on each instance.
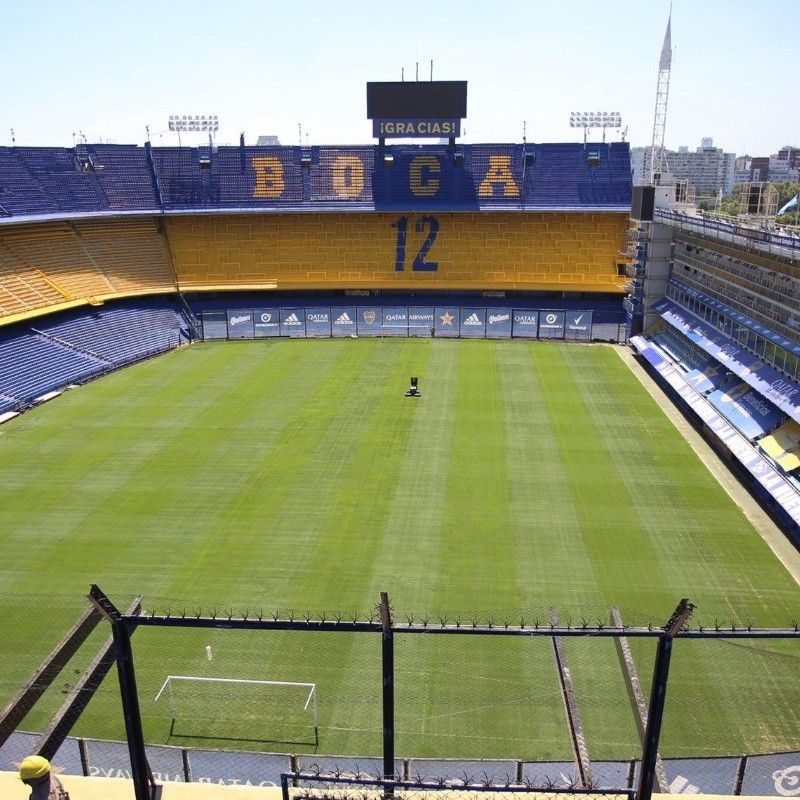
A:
(197, 123)
(595, 119)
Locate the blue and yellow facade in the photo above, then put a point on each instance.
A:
(87, 224)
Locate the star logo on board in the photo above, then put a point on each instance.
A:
(446, 318)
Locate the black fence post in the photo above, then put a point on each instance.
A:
(388, 688)
(144, 787)
(658, 693)
(740, 770)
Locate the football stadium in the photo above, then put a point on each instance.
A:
(404, 467)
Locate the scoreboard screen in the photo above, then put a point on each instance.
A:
(417, 100)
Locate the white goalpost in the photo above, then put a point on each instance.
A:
(411, 330)
(225, 703)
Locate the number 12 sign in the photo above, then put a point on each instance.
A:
(420, 262)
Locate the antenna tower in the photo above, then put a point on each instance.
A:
(658, 157)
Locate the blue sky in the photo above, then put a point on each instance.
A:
(110, 69)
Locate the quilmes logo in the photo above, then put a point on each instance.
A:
(240, 320)
(787, 781)
(495, 318)
(369, 317)
(472, 319)
(292, 320)
(317, 317)
(343, 319)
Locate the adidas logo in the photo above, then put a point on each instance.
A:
(292, 320)
(343, 320)
(472, 319)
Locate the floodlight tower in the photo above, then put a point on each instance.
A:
(658, 158)
(594, 119)
(198, 123)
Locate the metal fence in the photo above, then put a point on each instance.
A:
(468, 701)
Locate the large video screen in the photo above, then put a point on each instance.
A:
(417, 99)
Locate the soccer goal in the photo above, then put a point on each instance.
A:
(406, 329)
(240, 709)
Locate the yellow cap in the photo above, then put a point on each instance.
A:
(33, 767)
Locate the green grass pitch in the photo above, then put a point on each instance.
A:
(296, 476)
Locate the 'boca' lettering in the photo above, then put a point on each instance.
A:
(347, 176)
(269, 177)
(419, 175)
(499, 174)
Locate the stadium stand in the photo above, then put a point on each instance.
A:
(717, 302)
(473, 251)
(20, 193)
(119, 334)
(131, 253)
(783, 446)
(32, 365)
(59, 172)
(76, 245)
(46, 265)
(123, 172)
(75, 346)
(109, 179)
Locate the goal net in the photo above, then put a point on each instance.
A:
(404, 330)
(239, 709)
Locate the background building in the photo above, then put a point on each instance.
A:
(708, 169)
